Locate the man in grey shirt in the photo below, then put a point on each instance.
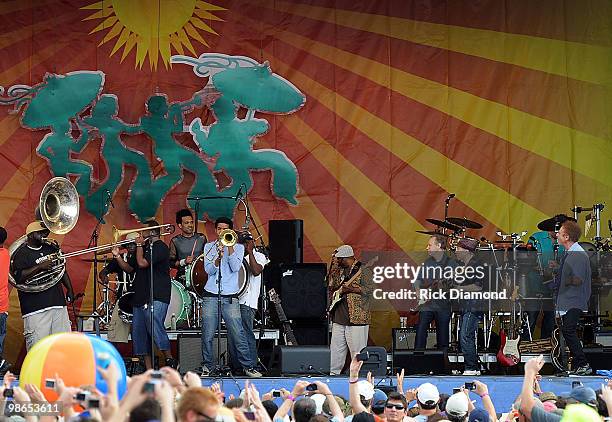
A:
(186, 246)
(573, 286)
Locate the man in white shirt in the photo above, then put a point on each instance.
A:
(249, 299)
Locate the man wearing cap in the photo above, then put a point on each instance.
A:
(351, 283)
(457, 407)
(44, 312)
(428, 398)
(472, 309)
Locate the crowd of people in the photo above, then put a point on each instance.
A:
(166, 396)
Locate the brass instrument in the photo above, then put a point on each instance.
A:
(164, 229)
(228, 237)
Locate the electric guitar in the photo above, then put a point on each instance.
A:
(337, 297)
(287, 331)
(509, 354)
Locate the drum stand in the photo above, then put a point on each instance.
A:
(105, 309)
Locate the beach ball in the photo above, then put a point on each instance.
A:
(75, 357)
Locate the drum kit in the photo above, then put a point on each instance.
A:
(513, 261)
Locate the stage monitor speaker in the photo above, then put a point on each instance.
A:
(289, 360)
(420, 362)
(189, 351)
(303, 291)
(286, 241)
(599, 357)
(376, 362)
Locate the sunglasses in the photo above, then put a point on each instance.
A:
(394, 406)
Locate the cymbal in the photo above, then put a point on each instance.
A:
(464, 222)
(444, 224)
(552, 224)
(432, 233)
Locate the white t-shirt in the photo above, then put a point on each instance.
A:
(251, 294)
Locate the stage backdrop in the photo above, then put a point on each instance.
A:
(358, 117)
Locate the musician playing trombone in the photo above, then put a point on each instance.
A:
(43, 312)
(350, 313)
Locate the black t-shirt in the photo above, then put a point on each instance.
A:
(161, 275)
(23, 258)
(113, 268)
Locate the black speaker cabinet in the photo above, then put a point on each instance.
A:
(403, 338)
(286, 241)
(310, 331)
(376, 362)
(288, 360)
(303, 290)
(189, 351)
(420, 362)
(599, 357)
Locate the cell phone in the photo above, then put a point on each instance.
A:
(363, 356)
(93, 403)
(8, 393)
(312, 387)
(50, 383)
(276, 393)
(249, 415)
(157, 375)
(576, 384)
(470, 386)
(82, 396)
(456, 390)
(148, 388)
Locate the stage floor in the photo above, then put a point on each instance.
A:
(503, 389)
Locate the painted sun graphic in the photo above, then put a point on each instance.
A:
(154, 27)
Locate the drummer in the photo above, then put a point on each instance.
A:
(187, 245)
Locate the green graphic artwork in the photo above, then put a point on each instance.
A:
(244, 82)
(66, 104)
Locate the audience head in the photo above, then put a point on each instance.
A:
(270, 407)
(379, 399)
(197, 403)
(366, 393)
(396, 407)
(304, 409)
(457, 407)
(428, 396)
(584, 395)
(148, 410)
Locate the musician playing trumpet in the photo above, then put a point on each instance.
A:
(350, 286)
(44, 312)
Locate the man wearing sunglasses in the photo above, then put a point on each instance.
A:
(395, 407)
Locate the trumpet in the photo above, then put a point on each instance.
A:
(228, 237)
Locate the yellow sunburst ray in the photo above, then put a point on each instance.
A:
(182, 35)
(195, 34)
(107, 23)
(107, 11)
(115, 30)
(122, 39)
(129, 45)
(164, 50)
(95, 6)
(207, 15)
(142, 48)
(198, 23)
(209, 6)
(176, 43)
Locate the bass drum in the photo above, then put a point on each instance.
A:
(180, 305)
(125, 307)
(198, 277)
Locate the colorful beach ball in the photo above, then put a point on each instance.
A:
(75, 358)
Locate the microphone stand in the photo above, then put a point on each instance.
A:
(93, 242)
(220, 370)
(151, 302)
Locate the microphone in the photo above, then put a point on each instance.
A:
(109, 197)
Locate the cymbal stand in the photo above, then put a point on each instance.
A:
(104, 309)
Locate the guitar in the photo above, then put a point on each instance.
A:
(287, 331)
(509, 354)
(337, 297)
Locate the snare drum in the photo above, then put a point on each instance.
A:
(180, 304)
(125, 307)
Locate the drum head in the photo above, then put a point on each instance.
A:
(126, 307)
(179, 306)
(243, 278)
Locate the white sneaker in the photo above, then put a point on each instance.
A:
(471, 373)
(252, 373)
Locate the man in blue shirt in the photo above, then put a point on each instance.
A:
(222, 264)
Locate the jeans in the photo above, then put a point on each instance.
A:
(467, 337)
(3, 318)
(246, 315)
(442, 318)
(230, 311)
(141, 328)
(548, 323)
(568, 329)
